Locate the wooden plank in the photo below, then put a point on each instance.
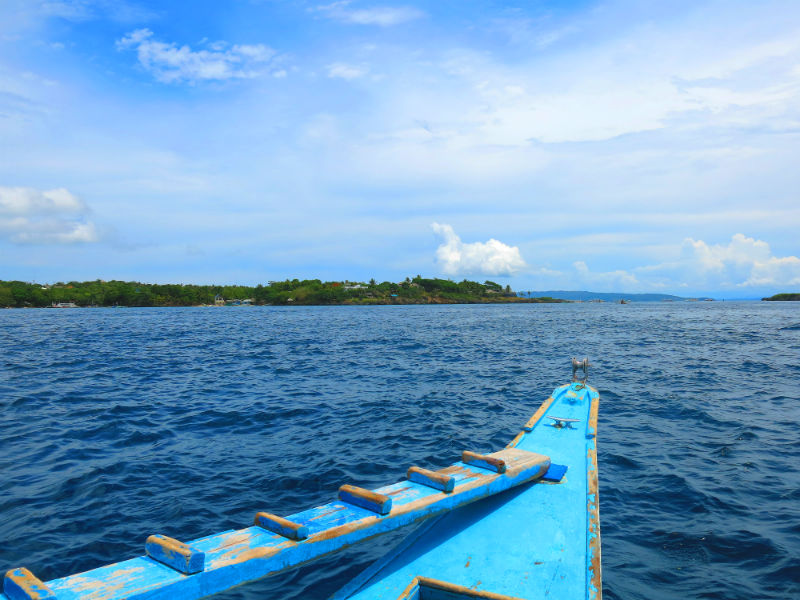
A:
(377, 503)
(175, 554)
(438, 481)
(484, 462)
(281, 526)
(21, 584)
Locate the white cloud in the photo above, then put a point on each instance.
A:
(48, 231)
(28, 201)
(743, 263)
(170, 63)
(30, 216)
(383, 16)
(345, 71)
(638, 81)
(476, 258)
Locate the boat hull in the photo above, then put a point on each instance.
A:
(537, 541)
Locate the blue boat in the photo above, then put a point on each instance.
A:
(522, 522)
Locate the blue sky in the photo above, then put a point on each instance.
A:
(612, 146)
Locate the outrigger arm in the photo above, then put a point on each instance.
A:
(176, 570)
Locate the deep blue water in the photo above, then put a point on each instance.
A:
(115, 424)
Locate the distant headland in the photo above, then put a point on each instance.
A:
(419, 290)
(783, 298)
(584, 296)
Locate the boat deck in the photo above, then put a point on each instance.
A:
(536, 541)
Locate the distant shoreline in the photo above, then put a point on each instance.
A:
(433, 302)
(295, 292)
(308, 292)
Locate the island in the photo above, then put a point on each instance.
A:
(783, 298)
(417, 290)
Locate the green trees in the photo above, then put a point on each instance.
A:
(289, 292)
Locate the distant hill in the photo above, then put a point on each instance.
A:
(781, 298)
(606, 297)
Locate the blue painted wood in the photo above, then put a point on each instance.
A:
(425, 588)
(555, 473)
(21, 584)
(363, 578)
(235, 557)
(489, 463)
(281, 526)
(179, 556)
(377, 503)
(550, 546)
(432, 479)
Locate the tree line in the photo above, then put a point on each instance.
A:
(417, 290)
(783, 298)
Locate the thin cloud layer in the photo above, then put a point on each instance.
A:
(616, 280)
(170, 63)
(345, 71)
(30, 216)
(382, 16)
(493, 258)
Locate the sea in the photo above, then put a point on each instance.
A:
(119, 423)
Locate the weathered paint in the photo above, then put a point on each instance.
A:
(425, 588)
(550, 542)
(281, 526)
(377, 503)
(483, 461)
(595, 587)
(21, 584)
(235, 557)
(531, 423)
(437, 481)
(175, 554)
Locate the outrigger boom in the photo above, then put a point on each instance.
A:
(201, 567)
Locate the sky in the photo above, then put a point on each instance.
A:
(609, 146)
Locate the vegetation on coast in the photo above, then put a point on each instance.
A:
(783, 298)
(419, 290)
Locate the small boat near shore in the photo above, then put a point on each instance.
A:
(520, 522)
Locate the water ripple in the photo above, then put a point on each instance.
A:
(115, 424)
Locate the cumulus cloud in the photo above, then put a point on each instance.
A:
(383, 16)
(476, 258)
(31, 216)
(743, 263)
(170, 63)
(25, 201)
(345, 71)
